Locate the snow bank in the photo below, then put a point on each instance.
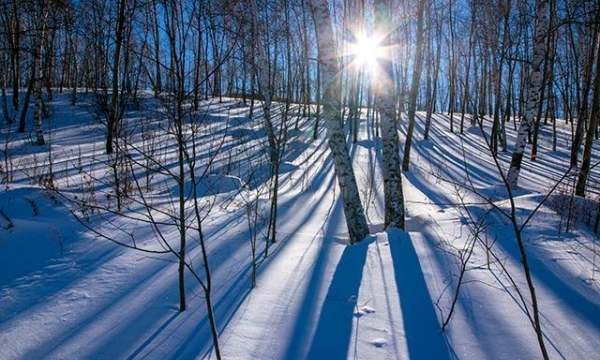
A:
(34, 228)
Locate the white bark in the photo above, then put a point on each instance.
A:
(392, 176)
(353, 209)
(533, 90)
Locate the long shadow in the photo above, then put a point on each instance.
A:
(423, 333)
(299, 339)
(585, 309)
(153, 270)
(47, 347)
(151, 338)
(470, 304)
(535, 172)
(467, 303)
(197, 342)
(56, 281)
(88, 265)
(65, 282)
(451, 163)
(334, 328)
(227, 300)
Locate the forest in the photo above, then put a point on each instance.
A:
(299, 179)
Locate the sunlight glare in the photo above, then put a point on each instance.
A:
(367, 51)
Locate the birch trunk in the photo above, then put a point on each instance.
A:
(385, 104)
(353, 209)
(533, 91)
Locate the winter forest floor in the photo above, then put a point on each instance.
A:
(67, 293)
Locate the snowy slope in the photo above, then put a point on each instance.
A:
(316, 298)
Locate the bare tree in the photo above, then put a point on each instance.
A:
(353, 209)
(592, 128)
(414, 88)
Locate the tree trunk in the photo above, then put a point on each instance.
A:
(114, 109)
(433, 98)
(534, 84)
(15, 54)
(37, 94)
(353, 209)
(583, 108)
(414, 90)
(25, 107)
(592, 125)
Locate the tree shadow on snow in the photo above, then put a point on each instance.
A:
(333, 322)
(424, 337)
(563, 286)
(334, 327)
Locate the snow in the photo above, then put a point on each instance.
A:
(212, 184)
(66, 293)
(32, 219)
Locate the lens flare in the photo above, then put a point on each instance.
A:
(367, 51)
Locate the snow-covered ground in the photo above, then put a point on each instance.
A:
(67, 293)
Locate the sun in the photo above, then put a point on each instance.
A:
(366, 51)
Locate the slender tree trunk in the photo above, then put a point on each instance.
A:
(465, 98)
(591, 131)
(433, 98)
(452, 68)
(37, 94)
(414, 90)
(392, 176)
(114, 111)
(583, 107)
(25, 107)
(545, 80)
(353, 209)
(38, 51)
(16, 59)
(318, 94)
(8, 119)
(157, 76)
(533, 90)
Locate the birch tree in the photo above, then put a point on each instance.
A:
(330, 70)
(534, 85)
(392, 176)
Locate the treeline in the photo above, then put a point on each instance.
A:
(511, 63)
(475, 54)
